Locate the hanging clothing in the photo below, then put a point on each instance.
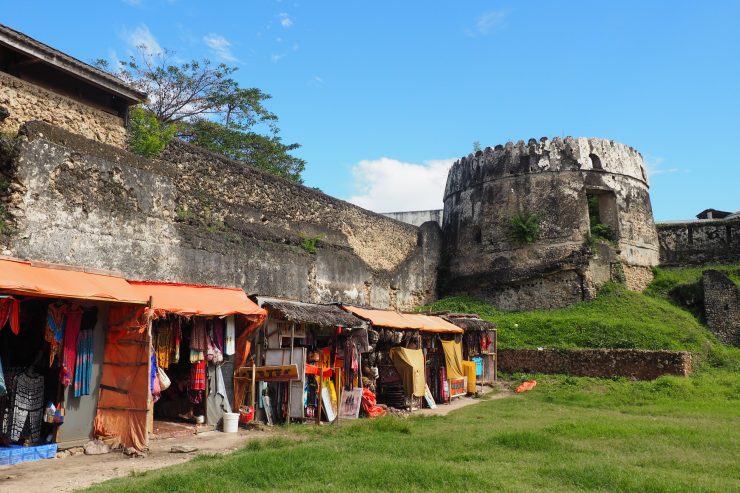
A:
(196, 356)
(177, 324)
(55, 319)
(453, 359)
(152, 371)
(69, 349)
(10, 311)
(3, 390)
(83, 363)
(27, 407)
(218, 333)
(230, 336)
(199, 337)
(165, 343)
(197, 376)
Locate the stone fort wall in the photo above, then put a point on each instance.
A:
(551, 179)
(699, 242)
(196, 217)
(26, 101)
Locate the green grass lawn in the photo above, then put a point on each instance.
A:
(617, 318)
(568, 434)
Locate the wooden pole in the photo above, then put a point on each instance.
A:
(254, 391)
(339, 392)
(321, 381)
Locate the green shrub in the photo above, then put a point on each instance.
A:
(147, 136)
(308, 243)
(524, 227)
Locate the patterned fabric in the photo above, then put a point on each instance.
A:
(69, 349)
(83, 363)
(3, 390)
(27, 407)
(10, 310)
(177, 324)
(198, 376)
(165, 343)
(54, 333)
(199, 337)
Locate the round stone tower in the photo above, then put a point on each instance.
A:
(544, 224)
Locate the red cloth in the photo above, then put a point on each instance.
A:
(198, 376)
(369, 404)
(69, 348)
(10, 309)
(526, 386)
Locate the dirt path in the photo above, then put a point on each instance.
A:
(80, 471)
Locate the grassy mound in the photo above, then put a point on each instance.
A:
(617, 318)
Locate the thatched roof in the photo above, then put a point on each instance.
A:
(469, 322)
(309, 313)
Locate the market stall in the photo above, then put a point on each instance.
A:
(408, 363)
(199, 335)
(479, 344)
(324, 343)
(53, 325)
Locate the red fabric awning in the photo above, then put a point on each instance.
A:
(190, 299)
(59, 281)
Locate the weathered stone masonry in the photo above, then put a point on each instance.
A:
(722, 306)
(602, 363)
(197, 217)
(699, 242)
(551, 179)
(25, 101)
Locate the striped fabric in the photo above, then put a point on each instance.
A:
(83, 363)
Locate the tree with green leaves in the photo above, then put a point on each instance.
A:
(201, 103)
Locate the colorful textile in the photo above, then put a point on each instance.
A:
(453, 359)
(196, 356)
(3, 390)
(178, 337)
(83, 363)
(69, 349)
(197, 376)
(218, 333)
(410, 366)
(27, 406)
(199, 336)
(165, 343)
(152, 371)
(55, 319)
(230, 336)
(10, 310)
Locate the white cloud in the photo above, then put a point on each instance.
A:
(285, 20)
(488, 22)
(276, 57)
(142, 36)
(134, 3)
(389, 185)
(316, 81)
(654, 166)
(221, 47)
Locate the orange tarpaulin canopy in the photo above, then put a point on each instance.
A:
(189, 299)
(57, 281)
(396, 320)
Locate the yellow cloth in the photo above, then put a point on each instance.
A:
(453, 359)
(410, 364)
(469, 368)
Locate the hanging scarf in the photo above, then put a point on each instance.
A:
(83, 363)
(55, 319)
(198, 376)
(230, 337)
(218, 333)
(178, 337)
(10, 310)
(69, 349)
(199, 336)
(165, 342)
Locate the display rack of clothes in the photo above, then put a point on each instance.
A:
(25, 416)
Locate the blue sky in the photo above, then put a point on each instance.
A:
(382, 95)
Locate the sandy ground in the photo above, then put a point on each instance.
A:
(80, 471)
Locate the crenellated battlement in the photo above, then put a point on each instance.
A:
(543, 156)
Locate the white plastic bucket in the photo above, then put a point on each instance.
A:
(231, 422)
